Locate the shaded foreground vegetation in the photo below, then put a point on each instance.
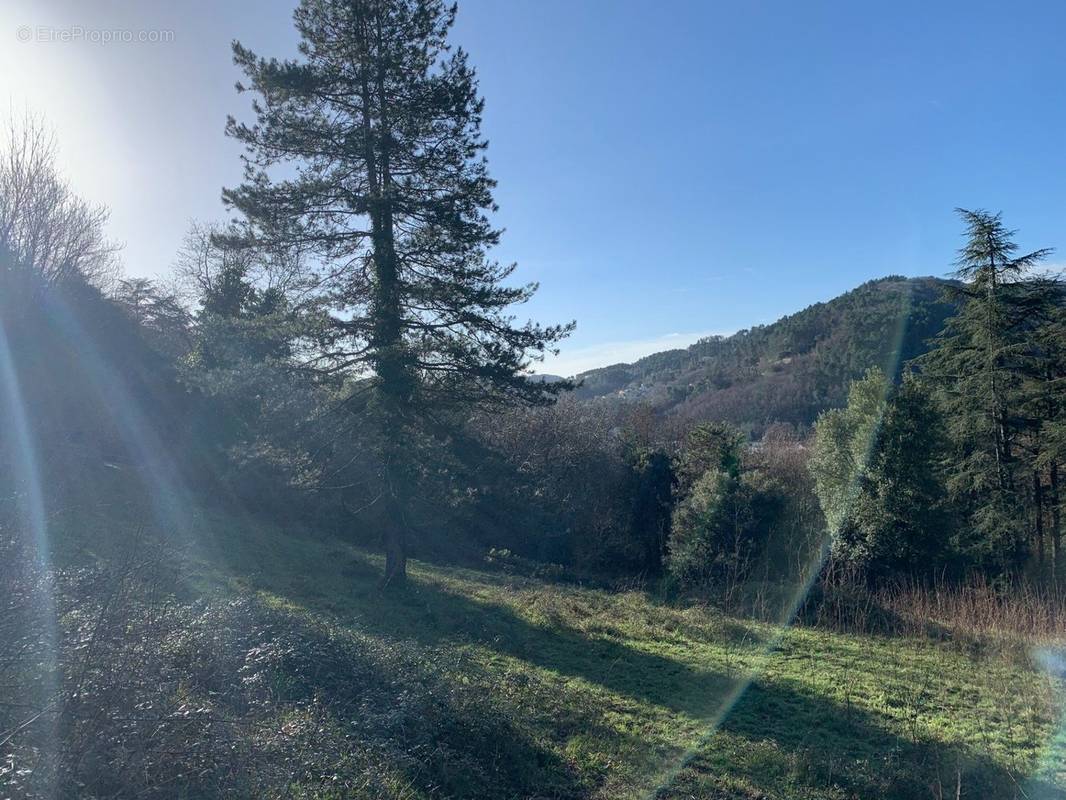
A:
(255, 661)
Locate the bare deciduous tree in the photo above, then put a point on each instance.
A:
(44, 225)
(207, 260)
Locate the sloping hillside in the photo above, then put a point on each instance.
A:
(791, 370)
(265, 664)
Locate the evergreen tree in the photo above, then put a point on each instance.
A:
(708, 446)
(722, 525)
(252, 394)
(876, 466)
(899, 523)
(713, 535)
(387, 191)
(1053, 455)
(843, 443)
(650, 489)
(978, 367)
(1042, 415)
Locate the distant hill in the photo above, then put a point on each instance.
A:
(791, 370)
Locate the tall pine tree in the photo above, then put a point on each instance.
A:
(978, 366)
(384, 185)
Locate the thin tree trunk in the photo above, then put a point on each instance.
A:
(395, 520)
(1056, 519)
(395, 554)
(1038, 507)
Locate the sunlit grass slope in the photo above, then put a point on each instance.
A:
(560, 691)
(479, 683)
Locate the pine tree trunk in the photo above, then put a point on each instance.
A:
(1038, 510)
(395, 554)
(999, 411)
(1056, 519)
(387, 338)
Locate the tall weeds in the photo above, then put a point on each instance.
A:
(975, 609)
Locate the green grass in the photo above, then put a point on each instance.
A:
(519, 688)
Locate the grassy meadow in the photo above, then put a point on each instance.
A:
(488, 683)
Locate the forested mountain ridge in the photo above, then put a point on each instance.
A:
(791, 370)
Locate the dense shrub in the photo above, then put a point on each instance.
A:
(740, 516)
(585, 485)
(720, 531)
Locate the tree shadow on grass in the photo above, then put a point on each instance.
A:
(433, 616)
(777, 741)
(825, 742)
(351, 715)
(808, 741)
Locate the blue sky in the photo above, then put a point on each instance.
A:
(666, 169)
